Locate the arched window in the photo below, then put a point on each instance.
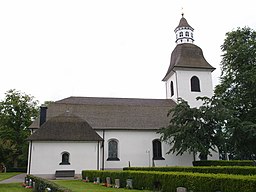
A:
(187, 34)
(113, 150)
(195, 84)
(157, 150)
(192, 35)
(181, 34)
(65, 158)
(172, 89)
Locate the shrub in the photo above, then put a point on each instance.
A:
(41, 185)
(238, 170)
(17, 169)
(170, 181)
(224, 163)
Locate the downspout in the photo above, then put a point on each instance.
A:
(30, 154)
(103, 134)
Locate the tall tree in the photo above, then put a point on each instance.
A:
(196, 130)
(17, 112)
(237, 89)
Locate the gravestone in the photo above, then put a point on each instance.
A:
(117, 183)
(181, 189)
(108, 180)
(129, 183)
(98, 180)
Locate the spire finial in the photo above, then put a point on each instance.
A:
(182, 12)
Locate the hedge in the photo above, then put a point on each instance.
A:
(16, 169)
(238, 170)
(225, 163)
(170, 181)
(41, 185)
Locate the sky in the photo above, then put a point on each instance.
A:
(53, 49)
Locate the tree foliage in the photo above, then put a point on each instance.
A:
(237, 89)
(196, 129)
(17, 112)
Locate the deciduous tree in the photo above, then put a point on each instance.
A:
(17, 112)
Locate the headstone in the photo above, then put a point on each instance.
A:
(129, 183)
(117, 183)
(108, 180)
(181, 189)
(98, 180)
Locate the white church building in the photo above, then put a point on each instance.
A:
(94, 133)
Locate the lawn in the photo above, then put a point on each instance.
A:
(13, 187)
(79, 186)
(4, 176)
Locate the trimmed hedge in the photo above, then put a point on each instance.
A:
(170, 181)
(16, 169)
(224, 163)
(237, 170)
(41, 185)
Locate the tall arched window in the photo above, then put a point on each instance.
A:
(172, 89)
(195, 84)
(113, 150)
(157, 150)
(65, 158)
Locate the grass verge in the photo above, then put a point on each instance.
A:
(4, 176)
(13, 187)
(79, 186)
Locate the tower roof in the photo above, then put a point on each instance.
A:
(187, 55)
(183, 23)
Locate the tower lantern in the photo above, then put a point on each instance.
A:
(184, 32)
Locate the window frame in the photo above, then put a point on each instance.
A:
(157, 150)
(65, 161)
(195, 84)
(172, 88)
(112, 157)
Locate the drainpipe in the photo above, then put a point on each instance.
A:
(103, 135)
(30, 155)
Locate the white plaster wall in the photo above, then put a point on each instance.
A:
(168, 87)
(133, 147)
(46, 156)
(184, 87)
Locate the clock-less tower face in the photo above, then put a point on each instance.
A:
(189, 74)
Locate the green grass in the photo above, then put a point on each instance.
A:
(13, 187)
(4, 176)
(79, 186)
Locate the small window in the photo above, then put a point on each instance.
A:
(113, 150)
(181, 34)
(157, 150)
(65, 159)
(172, 89)
(195, 84)
(192, 35)
(187, 34)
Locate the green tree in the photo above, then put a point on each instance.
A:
(194, 130)
(237, 89)
(17, 112)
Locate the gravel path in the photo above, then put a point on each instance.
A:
(16, 179)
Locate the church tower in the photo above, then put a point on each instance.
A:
(189, 74)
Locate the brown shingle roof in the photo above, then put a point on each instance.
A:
(65, 127)
(115, 113)
(183, 23)
(188, 55)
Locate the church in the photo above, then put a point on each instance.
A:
(95, 133)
